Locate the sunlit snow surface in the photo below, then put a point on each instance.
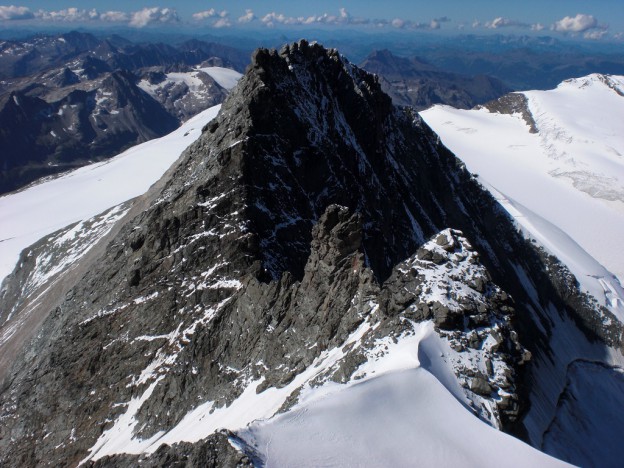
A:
(399, 419)
(37, 211)
(564, 184)
(225, 77)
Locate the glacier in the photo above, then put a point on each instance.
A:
(564, 183)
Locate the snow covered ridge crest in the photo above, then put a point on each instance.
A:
(313, 237)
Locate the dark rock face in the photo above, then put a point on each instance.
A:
(412, 82)
(309, 210)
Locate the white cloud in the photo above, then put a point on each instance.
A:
(342, 18)
(398, 23)
(329, 19)
(202, 15)
(345, 17)
(407, 24)
(13, 12)
(248, 17)
(595, 34)
(537, 27)
(139, 18)
(115, 16)
(211, 13)
(155, 15)
(579, 23)
(501, 22)
(72, 15)
(219, 19)
(222, 23)
(270, 19)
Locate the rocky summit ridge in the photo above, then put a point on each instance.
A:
(312, 224)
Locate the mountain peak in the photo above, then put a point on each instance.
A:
(615, 83)
(311, 228)
(308, 62)
(312, 130)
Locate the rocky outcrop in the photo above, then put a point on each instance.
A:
(445, 282)
(311, 221)
(212, 452)
(513, 103)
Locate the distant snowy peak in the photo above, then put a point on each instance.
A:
(226, 77)
(614, 82)
(185, 93)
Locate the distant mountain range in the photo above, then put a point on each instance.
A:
(522, 62)
(419, 84)
(45, 52)
(71, 99)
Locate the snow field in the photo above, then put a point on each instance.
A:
(225, 77)
(565, 184)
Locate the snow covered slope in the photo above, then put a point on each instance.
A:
(408, 417)
(37, 211)
(226, 77)
(556, 163)
(424, 402)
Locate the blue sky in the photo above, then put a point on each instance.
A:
(588, 19)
